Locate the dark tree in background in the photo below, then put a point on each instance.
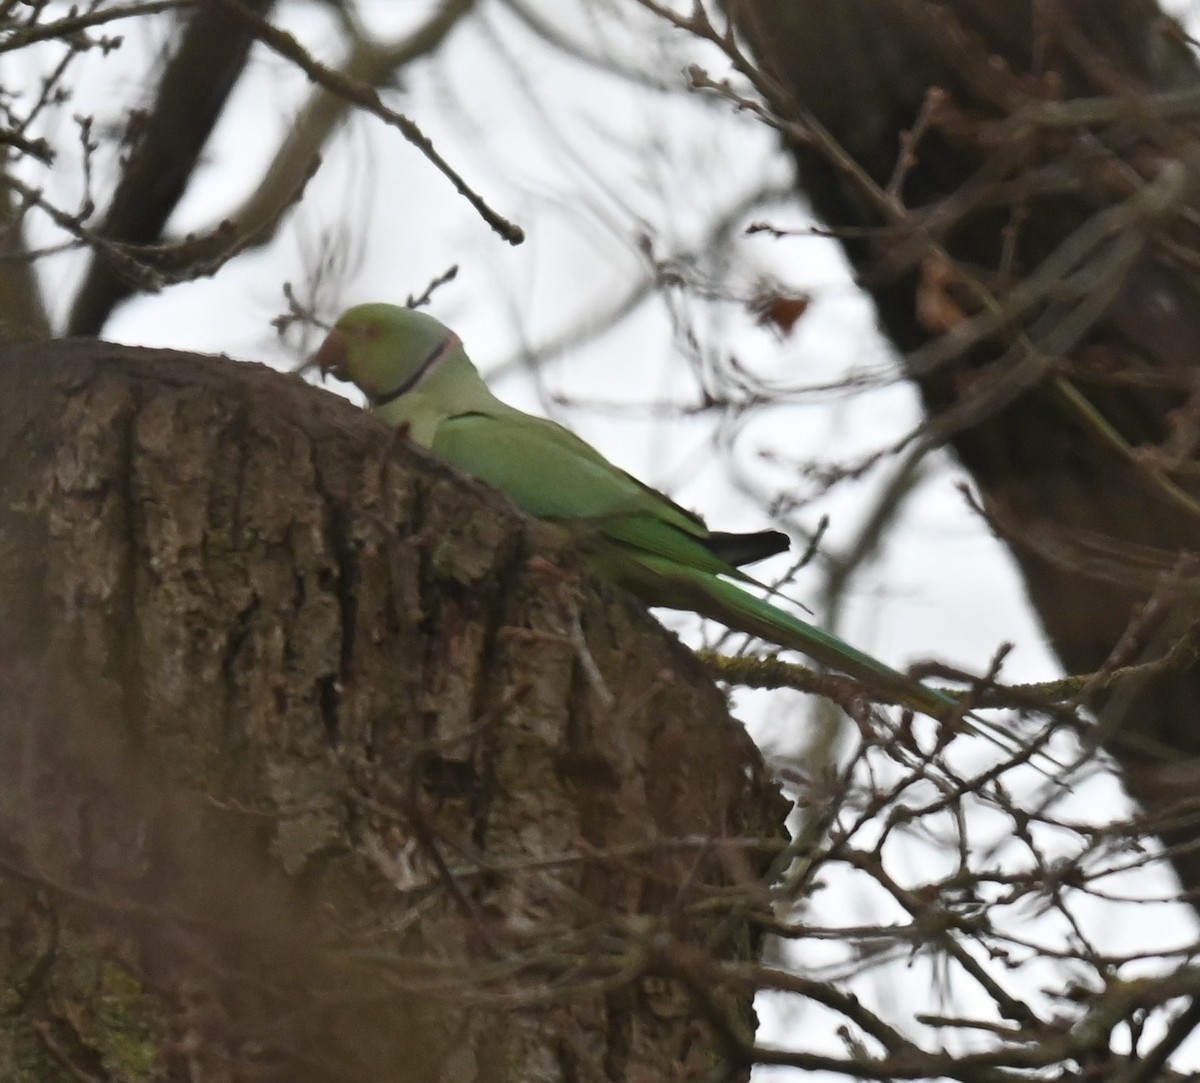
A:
(1015, 183)
(319, 762)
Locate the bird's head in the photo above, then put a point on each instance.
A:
(384, 349)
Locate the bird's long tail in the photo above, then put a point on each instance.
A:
(679, 587)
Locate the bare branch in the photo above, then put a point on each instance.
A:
(366, 97)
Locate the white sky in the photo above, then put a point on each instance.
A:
(587, 164)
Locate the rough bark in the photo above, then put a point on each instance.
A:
(304, 773)
(1073, 412)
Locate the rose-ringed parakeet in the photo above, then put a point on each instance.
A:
(416, 374)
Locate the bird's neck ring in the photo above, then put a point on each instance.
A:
(436, 356)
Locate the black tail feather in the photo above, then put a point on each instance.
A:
(741, 549)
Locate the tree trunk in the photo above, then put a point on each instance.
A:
(1037, 267)
(318, 761)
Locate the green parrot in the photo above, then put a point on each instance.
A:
(416, 375)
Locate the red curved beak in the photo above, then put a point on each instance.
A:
(332, 357)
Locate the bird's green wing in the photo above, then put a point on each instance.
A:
(551, 473)
(639, 539)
